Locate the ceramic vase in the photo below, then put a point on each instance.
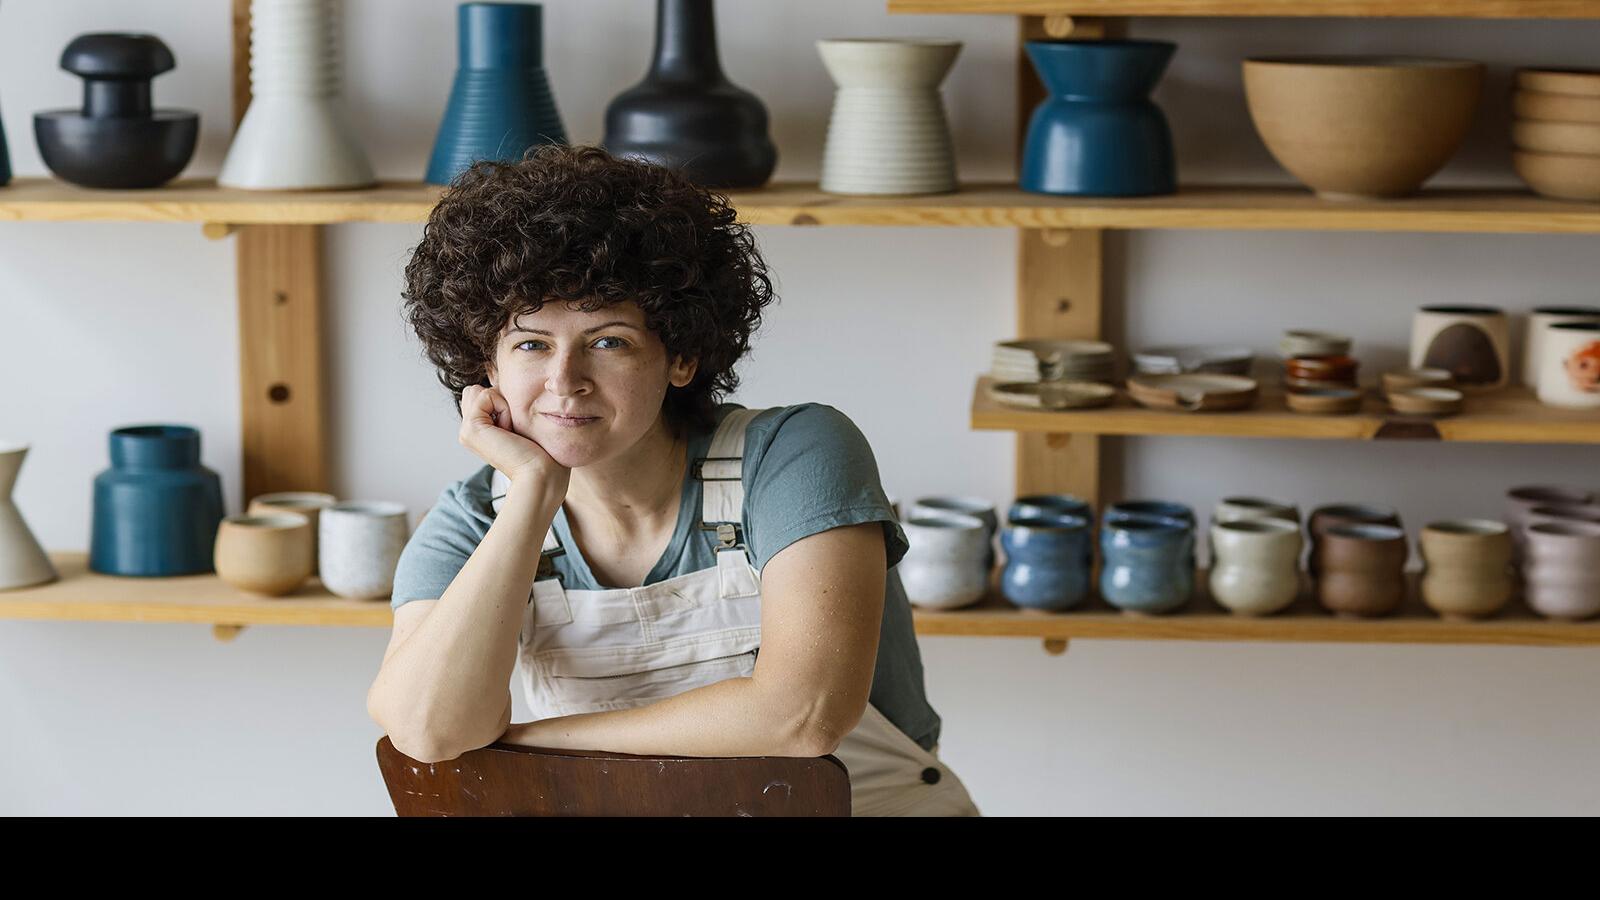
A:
(685, 114)
(358, 545)
(500, 104)
(5, 158)
(1561, 572)
(306, 503)
(1097, 133)
(116, 139)
(944, 567)
(296, 134)
(1569, 373)
(156, 510)
(22, 561)
(1255, 565)
(1363, 570)
(1467, 567)
(887, 133)
(977, 507)
(1144, 565)
(1470, 342)
(1046, 562)
(1539, 320)
(1325, 517)
(265, 554)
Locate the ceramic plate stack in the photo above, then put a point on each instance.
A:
(1557, 132)
(887, 133)
(1043, 360)
(1178, 360)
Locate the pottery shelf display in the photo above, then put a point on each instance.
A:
(117, 139)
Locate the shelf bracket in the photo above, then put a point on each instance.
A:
(225, 633)
(1055, 646)
(216, 231)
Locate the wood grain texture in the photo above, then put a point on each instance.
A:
(1512, 416)
(1463, 9)
(512, 780)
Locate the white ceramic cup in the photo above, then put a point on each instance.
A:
(359, 544)
(1255, 570)
(1533, 339)
(1569, 371)
(944, 569)
(1469, 342)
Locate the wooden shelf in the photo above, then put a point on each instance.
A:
(1511, 415)
(994, 205)
(1462, 9)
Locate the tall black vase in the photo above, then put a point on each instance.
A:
(686, 114)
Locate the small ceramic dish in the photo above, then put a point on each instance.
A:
(1313, 343)
(1426, 401)
(1405, 379)
(1047, 360)
(1324, 401)
(1193, 392)
(1296, 385)
(1052, 395)
(1580, 82)
(1176, 360)
(1334, 369)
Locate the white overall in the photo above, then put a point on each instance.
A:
(585, 651)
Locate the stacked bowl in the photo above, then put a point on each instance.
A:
(1556, 132)
(1052, 360)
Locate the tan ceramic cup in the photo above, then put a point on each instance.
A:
(306, 503)
(267, 554)
(1468, 567)
(1363, 570)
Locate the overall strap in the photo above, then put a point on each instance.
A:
(721, 473)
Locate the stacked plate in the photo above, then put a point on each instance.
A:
(1557, 132)
(1047, 360)
(1180, 360)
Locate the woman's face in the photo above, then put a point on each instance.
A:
(585, 386)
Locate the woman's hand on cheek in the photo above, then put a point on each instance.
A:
(486, 431)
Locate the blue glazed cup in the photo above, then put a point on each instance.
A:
(1144, 565)
(1049, 506)
(157, 509)
(1045, 562)
(1156, 511)
(1097, 133)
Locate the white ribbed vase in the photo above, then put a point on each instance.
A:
(296, 135)
(22, 561)
(888, 133)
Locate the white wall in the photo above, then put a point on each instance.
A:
(108, 324)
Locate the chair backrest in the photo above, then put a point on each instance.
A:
(511, 780)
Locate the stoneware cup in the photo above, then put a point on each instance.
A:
(1255, 566)
(1569, 367)
(1545, 515)
(1157, 510)
(1145, 566)
(1561, 572)
(1467, 567)
(1046, 566)
(1325, 517)
(944, 567)
(359, 546)
(1472, 343)
(1522, 501)
(977, 507)
(1539, 320)
(264, 554)
(305, 503)
(1363, 570)
(1050, 506)
(1238, 509)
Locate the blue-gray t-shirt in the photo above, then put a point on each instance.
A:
(807, 468)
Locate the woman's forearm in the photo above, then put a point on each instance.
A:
(445, 688)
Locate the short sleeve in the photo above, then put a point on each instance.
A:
(813, 471)
(438, 549)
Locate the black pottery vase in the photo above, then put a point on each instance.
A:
(686, 114)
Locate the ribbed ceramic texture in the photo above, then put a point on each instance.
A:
(887, 133)
(22, 561)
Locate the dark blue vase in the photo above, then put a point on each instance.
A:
(157, 509)
(1047, 564)
(1144, 564)
(686, 114)
(500, 104)
(5, 158)
(1097, 133)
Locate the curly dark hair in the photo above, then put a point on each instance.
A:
(578, 225)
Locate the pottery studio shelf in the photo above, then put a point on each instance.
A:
(1462, 9)
(81, 595)
(975, 205)
(1511, 415)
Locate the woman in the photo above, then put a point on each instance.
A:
(663, 573)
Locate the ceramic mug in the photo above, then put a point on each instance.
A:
(1562, 570)
(1255, 565)
(1539, 320)
(1569, 368)
(1047, 506)
(1522, 501)
(1156, 510)
(359, 543)
(306, 503)
(1467, 567)
(264, 554)
(1469, 342)
(1239, 509)
(1145, 566)
(944, 567)
(976, 507)
(1325, 517)
(1363, 570)
(1045, 562)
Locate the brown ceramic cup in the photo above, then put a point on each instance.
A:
(267, 554)
(1325, 517)
(307, 503)
(1363, 570)
(1467, 571)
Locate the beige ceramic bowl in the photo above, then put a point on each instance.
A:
(1427, 401)
(1575, 82)
(1555, 107)
(1406, 379)
(1560, 175)
(1362, 127)
(307, 503)
(1581, 138)
(267, 554)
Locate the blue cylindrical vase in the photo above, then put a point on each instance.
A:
(157, 509)
(1046, 566)
(501, 104)
(1144, 565)
(1097, 133)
